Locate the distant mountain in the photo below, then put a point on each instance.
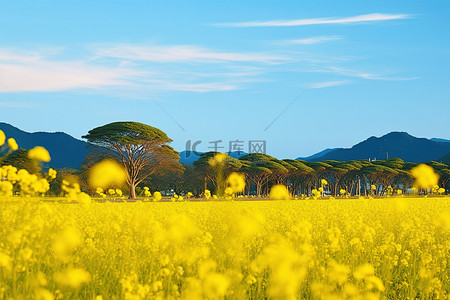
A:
(65, 150)
(189, 157)
(318, 154)
(445, 159)
(440, 140)
(394, 144)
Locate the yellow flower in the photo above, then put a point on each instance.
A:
(111, 191)
(52, 173)
(106, 173)
(363, 271)
(424, 176)
(207, 194)
(279, 192)
(399, 192)
(6, 189)
(342, 191)
(44, 294)
(2, 137)
(215, 285)
(157, 196)
(441, 191)
(39, 153)
(218, 159)
(73, 278)
(236, 182)
(229, 191)
(12, 144)
(5, 261)
(324, 182)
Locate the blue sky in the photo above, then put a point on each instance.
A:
(210, 70)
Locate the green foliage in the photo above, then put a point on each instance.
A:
(125, 133)
(20, 160)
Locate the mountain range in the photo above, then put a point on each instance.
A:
(69, 152)
(65, 150)
(393, 144)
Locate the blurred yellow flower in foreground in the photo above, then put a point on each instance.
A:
(2, 137)
(279, 192)
(157, 196)
(39, 153)
(106, 173)
(12, 144)
(73, 278)
(6, 189)
(52, 173)
(228, 191)
(217, 159)
(424, 176)
(236, 181)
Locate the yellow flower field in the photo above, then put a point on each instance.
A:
(393, 248)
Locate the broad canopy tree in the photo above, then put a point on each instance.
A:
(141, 149)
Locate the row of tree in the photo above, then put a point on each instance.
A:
(263, 171)
(149, 161)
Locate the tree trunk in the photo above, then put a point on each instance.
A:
(132, 191)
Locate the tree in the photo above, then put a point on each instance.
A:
(20, 160)
(216, 176)
(259, 168)
(140, 148)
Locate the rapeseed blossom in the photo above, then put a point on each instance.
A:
(424, 176)
(236, 182)
(157, 196)
(39, 153)
(279, 192)
(106, 173)
(12, 144)
(2, 137)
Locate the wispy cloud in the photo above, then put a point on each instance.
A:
(364, 75)
(375, 17)
(133, 69)
(183, 53)
(312, 40)
(325, 84)
(24, 73)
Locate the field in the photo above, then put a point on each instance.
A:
(395, 248)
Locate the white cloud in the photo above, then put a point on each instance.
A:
(32, 72)
(332, 20)
(365, 75)
(325, 84)
(26, 73)
(183, 53)
(313, 40)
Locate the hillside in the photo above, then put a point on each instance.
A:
(394, 144)
(65, 150)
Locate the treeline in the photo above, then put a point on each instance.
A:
(262, 171)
